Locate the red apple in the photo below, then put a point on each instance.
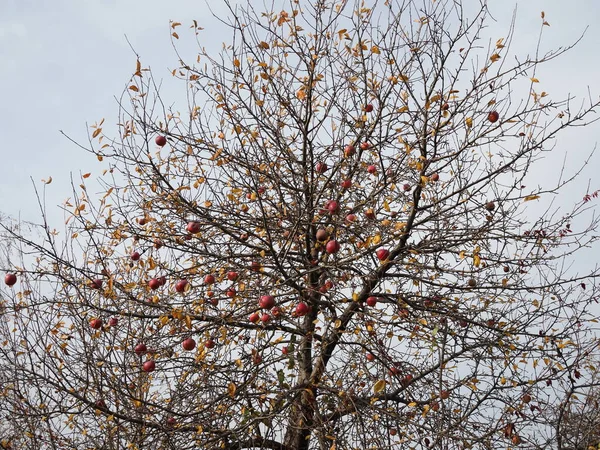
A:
(321, 234)
(526, 398)
(209, 343)
(490, 206)
(463, 323)
(142, 221)
(372, 301)
(333, 206)
(406, 187)
(160, 141)
(254, 317)
(265, 318)
(350, 217)
(332, 246)
(370, 357)
(232, 276)
(230, 292)
(493, 116)
(382, 254)
(209, 279)
(349, 150)
(346, 184)
(266, 301)
(302, 309)
(149, 366)
(97, 284)
(372, 169)
(96, 324)
(158, 244)
(365, 145)
(284, 350)
(435, 177)
(181, 285)
(369, 107)
(10, 279)
(328, 284)
(255, 266)
(171, 422)
(444, 395)
(135, 256)
(113, 321)
(321, 167)
(261, 190)
(140, 349)
(154, 284)
(193, 227)
(188, 344)
(100, 404)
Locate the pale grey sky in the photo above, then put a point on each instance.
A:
(63, 62)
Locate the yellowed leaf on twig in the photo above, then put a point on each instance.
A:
(379, 386)
(531, 197)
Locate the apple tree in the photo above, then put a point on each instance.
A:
(336, 244)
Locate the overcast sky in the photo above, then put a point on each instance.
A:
(63, 62)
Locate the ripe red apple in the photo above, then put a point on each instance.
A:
(232, 276)
(96, 324)
(266, 301)
(370, 357)
(490, 206)
(372, 169)
(158, 244)
(321, 167)
(333, 206)
(181, 285)
(435, 177)
(406, 187)
(113, 321)
(526, 398)
(493, 116)
(188, 344)
(210, 343)
(349, 150)
(284, 350)
(332, 246)
(265, 318)
(254, 317)
(328, 284)
(135, 256)
(463, 323)
(142, 221)
(171, 422)
(365, 145)
(382, 254)
(372, 301)
(350, 217)
(346, 184)
(140, 349)
(321, 234)
(261, 190)
(154, 284)
(160, 141)
(302, 309)
(209, 279)
(97, 284)
(193, 227)
(369, 107)
(255, 266)
(149, 366)
(100, 404)
(10, 279)
(444, 395)
(230, 292)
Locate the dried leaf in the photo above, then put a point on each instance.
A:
(86, 175)
(534, 80)
(531, 197)
(175, 35)
(379, 386)
(134, 88)
(495, 57)
(231, 389)
(263, 45)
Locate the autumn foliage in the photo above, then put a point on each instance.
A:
(335, 245)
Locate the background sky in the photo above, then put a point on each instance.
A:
(62, 63)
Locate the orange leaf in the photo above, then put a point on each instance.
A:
(86, 175)
(134, 88)
(264, 45)
(175, 35)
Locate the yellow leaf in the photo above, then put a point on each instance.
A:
(375, 50)
(534, 80)
(96, 132)
(236, 62)
(531, 197)
(231, 390)
(379, 386)
(469, 122)
(462, 255)
(476, 260)
(264, 45)
(412, 404)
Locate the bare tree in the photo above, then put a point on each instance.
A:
(332, 247)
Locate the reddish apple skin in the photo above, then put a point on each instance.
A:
(140, 349)
(254, 317)
(113, 321)
(255, 266)
(333, 206)
(332, 246)
(369, 108)
(154, 284)
(181, 285)
(372, 169)
(209, 344)
(321, 167)
(232, 276)
(406, 187)
(188, 344)
(100, 404)
(383, 254)
(266, 301)
(10, 279)
(435, 177)
(149, 366)
(276, 312)
(265, 318)
(284, 350)
(230, 293)
(161, 141)
(321, 234)
(97, 284)
(370, 357)
(493, 116)
(135, 256)
(96, 324)
(349, 150)
(346, 184)
(193, 227)
(350, 217)
(365, 145)
(372, 301)
(209, 279)
(302, 309)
